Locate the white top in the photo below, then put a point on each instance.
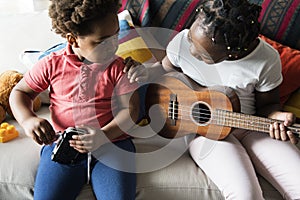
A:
(260, 70)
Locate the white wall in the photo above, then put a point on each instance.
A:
(22, 6)
(20, 31)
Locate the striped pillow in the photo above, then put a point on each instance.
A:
(132, 44)
(170, 14)
(139, 10)
(280, 21)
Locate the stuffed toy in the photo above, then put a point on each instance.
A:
(8, 80)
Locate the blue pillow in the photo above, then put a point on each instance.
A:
(53, 49)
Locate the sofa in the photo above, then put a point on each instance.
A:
(165, 169)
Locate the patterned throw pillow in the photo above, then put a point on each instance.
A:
(280, 21)
(279, 18)
(258, 2)
(139, 10)
(132, 44)
(171, 14)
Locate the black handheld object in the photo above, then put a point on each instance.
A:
(63, 153)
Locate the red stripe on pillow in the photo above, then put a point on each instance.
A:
(287, 19)
(186, 15)
(145, 10)
(124, 2)
(264, 6)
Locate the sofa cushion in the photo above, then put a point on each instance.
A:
(19, 162)
(132, 44)
(179, 178)
(182, 178)
(293, 104)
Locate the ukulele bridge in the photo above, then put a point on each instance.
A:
(173, 109)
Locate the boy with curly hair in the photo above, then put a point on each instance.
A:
(88, 89)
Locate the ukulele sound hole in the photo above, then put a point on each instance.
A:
(201, 113)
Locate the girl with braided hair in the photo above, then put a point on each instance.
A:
(222, 47)
(88, 90)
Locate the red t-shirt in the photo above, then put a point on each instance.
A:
(79, 93)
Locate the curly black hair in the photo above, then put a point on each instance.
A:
(73, 16)
(236, 21)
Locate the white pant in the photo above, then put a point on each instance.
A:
(231, 164)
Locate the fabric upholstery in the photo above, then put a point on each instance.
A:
(132, 44)
(279, 18)
(171, 14)
(182, 179)
(293, 104)
(280, 21)
(19, 162)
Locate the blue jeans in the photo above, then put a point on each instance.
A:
(56, 181)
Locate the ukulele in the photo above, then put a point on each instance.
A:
(176, 106)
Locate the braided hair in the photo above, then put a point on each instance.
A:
(235, 21)
(73, 16)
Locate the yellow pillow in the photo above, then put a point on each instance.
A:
(132, 44)
(293, 103)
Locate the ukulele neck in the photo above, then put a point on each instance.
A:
(248, 122)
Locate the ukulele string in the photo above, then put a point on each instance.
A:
(227, 120)
(203, 115)
(201, 112)
(252, 125)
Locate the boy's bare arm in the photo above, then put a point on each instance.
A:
(21, 102)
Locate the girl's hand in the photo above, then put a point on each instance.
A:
(40, 130)
(279, 131)
(135, 71)
(88, 142)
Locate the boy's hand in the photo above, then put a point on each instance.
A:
(40, 130)
(88, 142)
(135, 70)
